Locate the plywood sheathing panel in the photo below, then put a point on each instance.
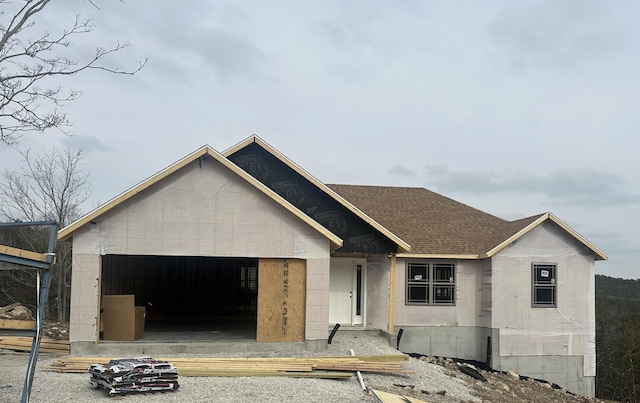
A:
(281, 300)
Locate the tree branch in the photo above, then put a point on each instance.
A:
(26, 61)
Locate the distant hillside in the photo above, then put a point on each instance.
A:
(619, 291)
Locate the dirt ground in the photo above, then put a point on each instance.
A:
(498, 388)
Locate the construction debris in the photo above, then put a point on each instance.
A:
(16, 311)
(141, 374)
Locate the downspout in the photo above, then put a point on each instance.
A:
(392, 292)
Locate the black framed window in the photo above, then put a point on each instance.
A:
(430, 283)
(544, 285)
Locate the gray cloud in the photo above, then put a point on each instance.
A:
(228, 54)
(401, 170)
(84, 143)
(587, 188)
(213, 38)
(558, 32)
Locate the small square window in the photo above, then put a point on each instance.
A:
(544, 285)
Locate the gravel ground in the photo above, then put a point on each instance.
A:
(56, 387)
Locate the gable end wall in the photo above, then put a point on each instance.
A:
(203, 209)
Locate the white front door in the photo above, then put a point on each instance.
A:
(346, 291)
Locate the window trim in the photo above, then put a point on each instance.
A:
(538, 285)
(430, 284)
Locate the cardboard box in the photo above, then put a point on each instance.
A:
(121, 319)
(118, 301)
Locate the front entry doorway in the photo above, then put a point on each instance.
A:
(346, 291)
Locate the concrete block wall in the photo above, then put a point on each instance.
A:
(84, 307)
(317, 313)
(377, 289)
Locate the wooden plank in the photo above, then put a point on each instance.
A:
(291, 367)
(281, 300)
(27, 254)
(290, 374)
(27, 340)
(58, 347)
(386, 397)
(17, 324)
(392, 293)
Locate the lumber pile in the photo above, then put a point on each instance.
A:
(308, 367)
(53, 346)
(17, 324)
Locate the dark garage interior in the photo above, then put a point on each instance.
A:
(188, 297)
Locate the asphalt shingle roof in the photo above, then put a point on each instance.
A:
(429, 222)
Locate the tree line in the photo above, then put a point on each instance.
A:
(618, 339)
(47, 187)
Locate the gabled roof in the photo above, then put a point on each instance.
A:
(67, 232)
(392, 235)
(439, 227)
(525, 225)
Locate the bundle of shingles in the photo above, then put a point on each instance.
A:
(140, 374)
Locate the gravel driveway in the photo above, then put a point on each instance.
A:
(53, 387)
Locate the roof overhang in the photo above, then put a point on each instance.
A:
(438, 256)
(402, 245)
(67, 232)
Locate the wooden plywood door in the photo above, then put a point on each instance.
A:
(281, 300)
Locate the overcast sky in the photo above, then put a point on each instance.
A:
(515, 108)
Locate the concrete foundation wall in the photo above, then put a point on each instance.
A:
(564, 370)
(464, 342)
(203, 209)
(470, 343)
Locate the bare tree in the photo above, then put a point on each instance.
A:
(30, 62)
(49, 186)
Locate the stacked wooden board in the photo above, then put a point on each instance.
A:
(308, 367)
(140, 374)
(52, 346)
(17, 324)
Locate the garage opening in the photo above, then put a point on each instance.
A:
(188, 298)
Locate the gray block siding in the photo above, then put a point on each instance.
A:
(470, 343)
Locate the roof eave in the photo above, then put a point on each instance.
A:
(440, 256)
